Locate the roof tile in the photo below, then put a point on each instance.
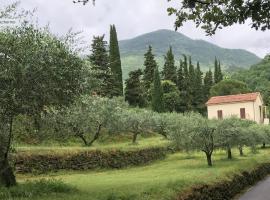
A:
(233, 98)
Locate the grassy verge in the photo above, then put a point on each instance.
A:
(156, 141)
(161, 180)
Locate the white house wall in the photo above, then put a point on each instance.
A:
(232, 109)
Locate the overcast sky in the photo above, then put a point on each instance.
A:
(135, 17)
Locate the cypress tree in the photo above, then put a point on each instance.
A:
(157, 93)
(180, 77)
(185, 100)
(115, 62)
(191, 85)
(208, 83)
(169, 71)
(100, 63)
(218, 76)
(134, 89)
(150, 65)
(198, 90)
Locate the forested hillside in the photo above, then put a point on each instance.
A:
(257, 77)
(132, 51)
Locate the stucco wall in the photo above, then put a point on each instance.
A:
(233, 109)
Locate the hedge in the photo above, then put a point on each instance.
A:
(93, 159)
(227, 190)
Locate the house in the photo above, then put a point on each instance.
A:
(245, 106)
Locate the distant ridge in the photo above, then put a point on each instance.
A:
(132, 51)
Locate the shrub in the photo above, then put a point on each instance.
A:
(40, 163)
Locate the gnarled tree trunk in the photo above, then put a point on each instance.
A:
(229, 152)
(7, 177)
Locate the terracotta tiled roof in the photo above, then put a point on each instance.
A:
(233, 98)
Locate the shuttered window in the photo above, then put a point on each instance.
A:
(243, 113)
(220, 114)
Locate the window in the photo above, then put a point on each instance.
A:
(242, 113)
(220, 114)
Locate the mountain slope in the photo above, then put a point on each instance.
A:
(132, 51)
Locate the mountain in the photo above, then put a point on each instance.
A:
(132, 51)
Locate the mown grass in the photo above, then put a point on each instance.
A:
(161, 180)
(156, 141)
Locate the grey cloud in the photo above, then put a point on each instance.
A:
(134, 17)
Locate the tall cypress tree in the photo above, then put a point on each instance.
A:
(185, 99)
(180, 76)
(208, 83)
(218, 76)
(150, 65)
(198, 90)
(169, 71)
(115, 62)
(157, 93)
(134, 89)
(100, 63)
(191, 85)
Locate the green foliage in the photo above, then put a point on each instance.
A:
(169, 70)
(134, 91)
(150, 65)
(218, 76)
(99, 60)
(213, 15)
(85, 118)
(208, 83)
(115, 61)
(257, 78)
(157, 93)
(36, 189)
(87, 159)
(229, 87)
(171, 96)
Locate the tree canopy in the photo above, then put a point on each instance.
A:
(211, 15)
(229, 87)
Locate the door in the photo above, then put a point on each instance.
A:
(242, 113)
(220, 114)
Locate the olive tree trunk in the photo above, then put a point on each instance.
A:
(7, 177)
(209, 159)
(229, 152)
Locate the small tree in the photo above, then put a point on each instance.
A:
(134, 93)
(136, 121)
(193, 132)
(229, 134)
(88, 116)
(229, 87)
(171, 96)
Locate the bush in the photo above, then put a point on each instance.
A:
(35, 163)
(35, 189)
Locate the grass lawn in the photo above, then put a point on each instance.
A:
(142, 142)
(161, 180)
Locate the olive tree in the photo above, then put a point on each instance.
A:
(135, 121)
(86, 118)
(37, 71)
(193, 132)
